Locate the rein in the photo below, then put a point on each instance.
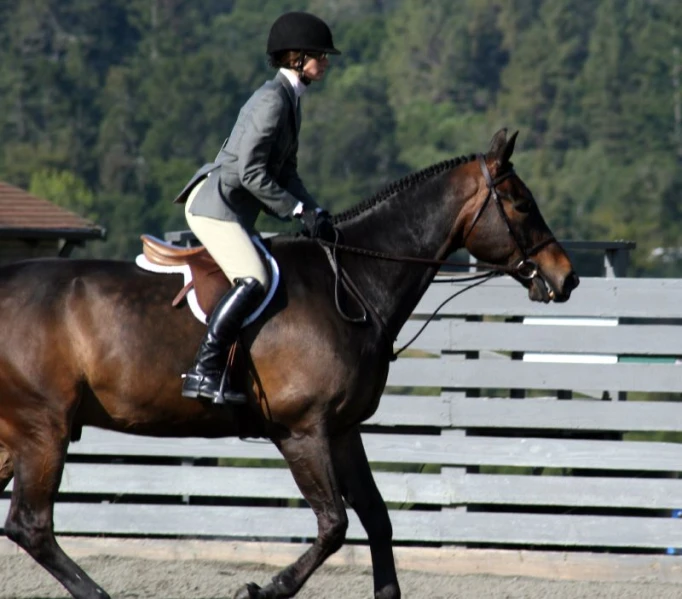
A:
(341, 279)
(412, 259)
(525, 269)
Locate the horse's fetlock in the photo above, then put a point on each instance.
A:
(285, 583)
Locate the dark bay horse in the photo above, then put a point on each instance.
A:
(97, 343)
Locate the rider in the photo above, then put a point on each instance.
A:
(255, 171)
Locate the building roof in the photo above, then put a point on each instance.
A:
(27, 216)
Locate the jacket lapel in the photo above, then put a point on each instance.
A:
(295, 107)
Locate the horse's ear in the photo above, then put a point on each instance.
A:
(509, 148)
(497, 143)
(502, 148)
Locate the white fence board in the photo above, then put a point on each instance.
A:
(451, 411)
(457, 335)
(575, 415)
(412, 410)
(447, 449)
(452, 487)
(595, 297)
(570, 491)
(209, 481)
(510, 374)
(446, 526)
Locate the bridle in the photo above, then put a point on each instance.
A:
(526, 268)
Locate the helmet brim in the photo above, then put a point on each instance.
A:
(325, 50)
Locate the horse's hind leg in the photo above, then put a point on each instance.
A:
(310, 462)
(38, 463)
(358, 487)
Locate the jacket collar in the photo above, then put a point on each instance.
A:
(281, 78)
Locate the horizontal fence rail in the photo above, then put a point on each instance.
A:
(594, 298)
(508, 423)
(448, 448)
(449, 487)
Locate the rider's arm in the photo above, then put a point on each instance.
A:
(293, 184)
(260, 132)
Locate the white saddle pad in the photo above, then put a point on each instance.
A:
(145, 264)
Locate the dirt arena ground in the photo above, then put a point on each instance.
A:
(129, 578)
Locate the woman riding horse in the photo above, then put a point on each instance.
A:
(255, 170)
(96, 343)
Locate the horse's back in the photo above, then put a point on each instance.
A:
(110, 328)
(52, 288)
(101, 337)
(85, 313)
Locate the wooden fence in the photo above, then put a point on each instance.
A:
(496, 433)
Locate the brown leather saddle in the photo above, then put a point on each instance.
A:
(208, 280)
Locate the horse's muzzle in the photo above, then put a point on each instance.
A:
(543, 289)
(570, 282)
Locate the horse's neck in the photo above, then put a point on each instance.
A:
(415, 224)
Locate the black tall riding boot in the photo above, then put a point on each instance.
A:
(205, 378)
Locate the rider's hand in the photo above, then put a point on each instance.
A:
(318, 224)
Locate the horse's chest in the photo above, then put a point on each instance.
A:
(362, 397)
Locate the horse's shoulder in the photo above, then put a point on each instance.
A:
(296, 253)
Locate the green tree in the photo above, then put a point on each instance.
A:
(538, 92)
(355, 161)
(65, 189)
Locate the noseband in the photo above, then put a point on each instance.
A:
(526, 269)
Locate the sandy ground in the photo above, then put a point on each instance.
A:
(127, 578)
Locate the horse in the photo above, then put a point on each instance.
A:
(97, 343)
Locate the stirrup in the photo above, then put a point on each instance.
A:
(226, 396)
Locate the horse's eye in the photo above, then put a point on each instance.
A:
(523, 204)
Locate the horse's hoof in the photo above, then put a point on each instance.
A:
(250, 591)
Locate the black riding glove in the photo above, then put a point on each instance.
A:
(318, 224)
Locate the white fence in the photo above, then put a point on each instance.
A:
(471, 444)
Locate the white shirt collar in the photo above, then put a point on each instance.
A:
(296, 83)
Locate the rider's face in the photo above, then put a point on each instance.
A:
(315, 66)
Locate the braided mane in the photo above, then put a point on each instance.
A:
(401, 185)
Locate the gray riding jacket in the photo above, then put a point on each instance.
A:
(256, 169)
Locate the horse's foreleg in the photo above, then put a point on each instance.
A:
(38, 464)
(310, 462)
(358, 487)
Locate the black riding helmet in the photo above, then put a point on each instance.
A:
(300, 31)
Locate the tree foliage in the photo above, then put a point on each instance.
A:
(107, 107)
